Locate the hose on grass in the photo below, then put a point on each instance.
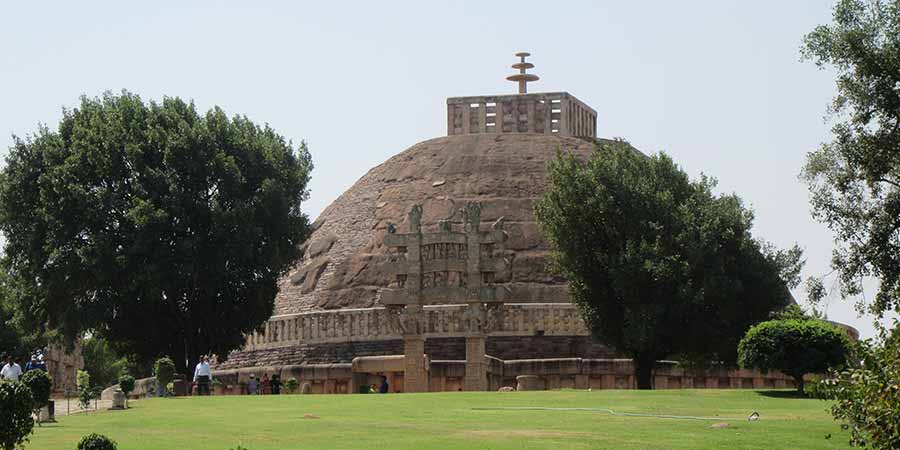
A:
(754, 416)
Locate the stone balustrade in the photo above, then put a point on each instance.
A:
(373, 324)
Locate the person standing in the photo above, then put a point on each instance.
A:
(202, 376)
(276, 384)
(11, 371)
(384, 388)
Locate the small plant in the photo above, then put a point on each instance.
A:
(126, 384)
(291, 385)
(164, 370)
(40, 384)
(85, 393)
(16, 422)
(96, 441)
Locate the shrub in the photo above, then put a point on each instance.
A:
(291, 385)
(164, 371)
(85, 393)
(126, 384)
(16, 422)
(795, 347)
(40, 384)
(868, 397)
(96, 441)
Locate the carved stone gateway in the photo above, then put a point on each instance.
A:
(446, 267)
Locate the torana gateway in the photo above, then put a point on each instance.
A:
(431, 270)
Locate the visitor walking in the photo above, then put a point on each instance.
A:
(252, 385)
(36, 363)
(202, 376)
(265, 384)
(276, 384)
(11, 371)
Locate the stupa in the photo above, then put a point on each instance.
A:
(330, 327)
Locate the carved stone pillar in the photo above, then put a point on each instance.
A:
(476, 367)
(415, 375)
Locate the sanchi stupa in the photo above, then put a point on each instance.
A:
(430, 270)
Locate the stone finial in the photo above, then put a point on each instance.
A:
(523, 78)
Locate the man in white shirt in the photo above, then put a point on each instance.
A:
(11, 371)
(202, 376)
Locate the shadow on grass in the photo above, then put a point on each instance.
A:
(782, 394)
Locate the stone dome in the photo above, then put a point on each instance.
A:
(344, 263)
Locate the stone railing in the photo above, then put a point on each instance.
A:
(373, 324)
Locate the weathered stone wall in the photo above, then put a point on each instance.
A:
(554, 373)
(62, 365)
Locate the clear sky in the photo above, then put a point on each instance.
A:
(716, 84)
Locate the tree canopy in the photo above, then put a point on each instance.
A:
(659, 265)
(161, 229)
(795, 347)
(855, 178)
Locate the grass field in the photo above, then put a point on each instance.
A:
(448, 421)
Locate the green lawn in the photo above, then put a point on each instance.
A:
(448, 421)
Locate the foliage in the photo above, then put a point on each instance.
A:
(96, 441)
(161, 229)
(855, 178)
(795, 347)
(85, 391)
(126, 384)
(16, 422)
(868, 397)
(291, 385)
(102, 362)
(164, 371)
(40, 384)
(658, 264)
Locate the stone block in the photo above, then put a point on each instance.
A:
(529, 383)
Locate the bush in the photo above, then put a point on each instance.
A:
(40, 384)
(795, 347)
(126, 384)
(291, 385)
(868, 397)
(164, 371)
(85, 393)
(96, 441)
(16, 422)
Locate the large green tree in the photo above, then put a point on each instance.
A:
(855, 178)
(158, 228)
(659, 265)
(795, 347)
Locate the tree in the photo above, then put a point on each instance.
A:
(40, 384)
(855, 178)
(102, 362)
(16, 422)
(795, 347)
(160, 229)
(126, 384)
(658, 264)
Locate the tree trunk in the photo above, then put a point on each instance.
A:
(643, 370)
(800, 384)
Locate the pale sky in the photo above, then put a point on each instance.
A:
(716, 84)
